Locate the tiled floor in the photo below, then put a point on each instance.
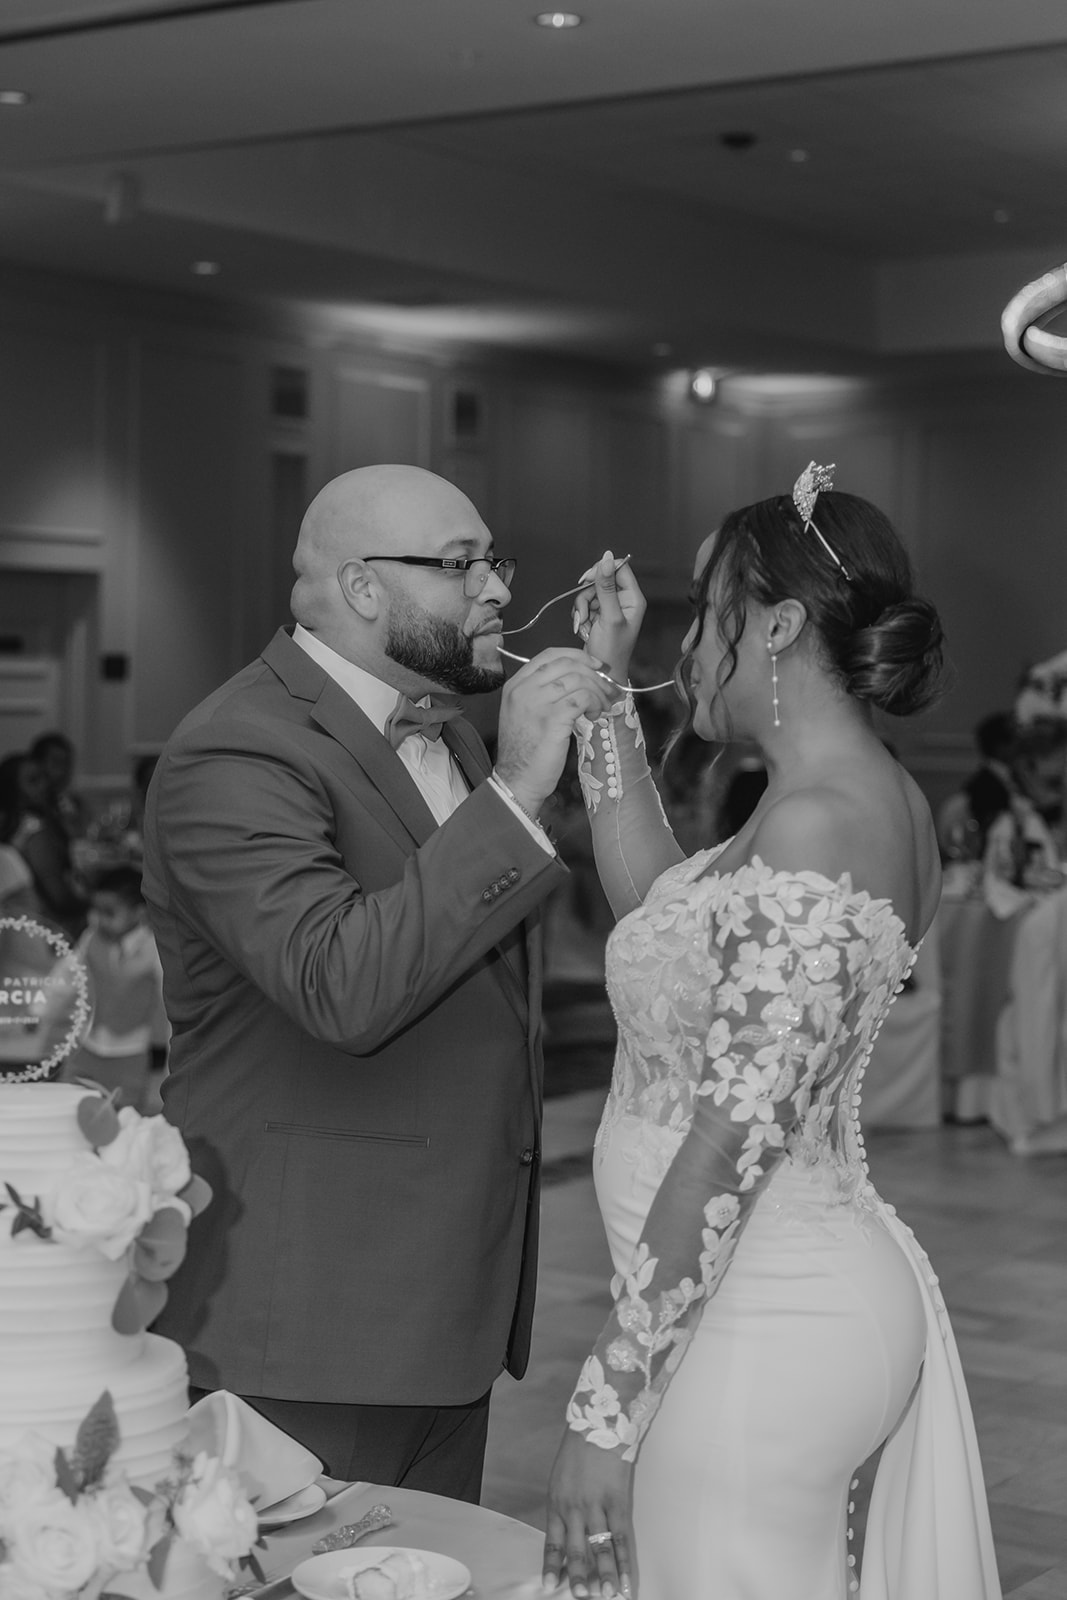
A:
(995, 1227)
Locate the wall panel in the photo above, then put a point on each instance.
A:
(187, 633)
(546, 508)
(994, 510)
(52, 431)
(380, 416)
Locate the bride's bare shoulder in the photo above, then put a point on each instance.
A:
(809, 830)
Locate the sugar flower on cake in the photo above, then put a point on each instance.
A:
(211, 1512)
(27, 1474)
(122, 1524)
(130, 1195)
(92, 1203)
(70, 1521)
(53, 1545)
(152, 1151)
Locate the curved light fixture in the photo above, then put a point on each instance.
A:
(1032, 346)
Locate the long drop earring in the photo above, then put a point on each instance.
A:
(774, 683)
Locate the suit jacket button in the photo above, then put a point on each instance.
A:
(514, 875)
(487, 895)
(526, 1159)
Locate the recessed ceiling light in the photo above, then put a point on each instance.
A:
(799, 156)
(1000, 215)
(702, 385)
(558, 19)
(662, 348)
(206, 269)
(14, 97)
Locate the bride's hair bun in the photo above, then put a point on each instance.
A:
(881, 639)
(896, 662)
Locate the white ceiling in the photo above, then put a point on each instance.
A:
(445, 167)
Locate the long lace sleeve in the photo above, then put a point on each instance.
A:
(781, 952)
(632, 839)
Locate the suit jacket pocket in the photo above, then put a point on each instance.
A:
(360, 1135)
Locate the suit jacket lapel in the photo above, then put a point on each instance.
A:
(395, 798)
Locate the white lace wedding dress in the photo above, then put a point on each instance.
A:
(774, 1321)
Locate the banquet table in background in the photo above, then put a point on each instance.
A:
(503, 1556)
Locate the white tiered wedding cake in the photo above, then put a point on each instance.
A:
(100, 1490)
(70, 1219)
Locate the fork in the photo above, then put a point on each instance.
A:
(586, 583)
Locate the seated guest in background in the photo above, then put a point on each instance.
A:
(1039, 771)
(964, 820)
(346, 909)
(127, 825)
(127, 1038)
(54, 753)
(32, 828)
(22, 792)
(1025, 844)
(16, 885)
(20, 951)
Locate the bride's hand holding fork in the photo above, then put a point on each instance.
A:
(608, 612)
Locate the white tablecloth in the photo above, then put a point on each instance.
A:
(504, 1556)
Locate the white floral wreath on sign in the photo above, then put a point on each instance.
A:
(81, 1013)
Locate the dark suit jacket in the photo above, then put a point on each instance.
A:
(354, 993)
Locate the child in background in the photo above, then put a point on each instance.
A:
(125, 1047)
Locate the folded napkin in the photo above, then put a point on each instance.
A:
(272, 1463)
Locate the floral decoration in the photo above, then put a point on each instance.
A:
(131, 1196)
(70, 1524)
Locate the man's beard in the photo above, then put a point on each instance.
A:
(438, 650)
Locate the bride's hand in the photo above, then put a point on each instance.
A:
(589, 1493)
(608, 615)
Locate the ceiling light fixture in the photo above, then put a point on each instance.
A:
(1000, 215)
(558, 19)
(799, 156)
(702, 386)
(14, 97)
(206, 269)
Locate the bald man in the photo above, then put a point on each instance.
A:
(345, 899)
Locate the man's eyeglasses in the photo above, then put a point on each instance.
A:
(475, 572)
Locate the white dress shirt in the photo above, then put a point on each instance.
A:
(437, 776)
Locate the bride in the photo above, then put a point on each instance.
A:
(774, 1321)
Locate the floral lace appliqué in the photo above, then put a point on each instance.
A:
(747, 1004)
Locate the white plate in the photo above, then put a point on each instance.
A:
(326, 1577)
(304, 1503)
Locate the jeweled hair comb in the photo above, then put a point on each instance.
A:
(811, 483)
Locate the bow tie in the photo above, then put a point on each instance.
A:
(406, 717)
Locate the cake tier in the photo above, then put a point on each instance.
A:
(39, 1132)
(55, 1300)
(58, 1350)
(150, 1395)
(55, 1311)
